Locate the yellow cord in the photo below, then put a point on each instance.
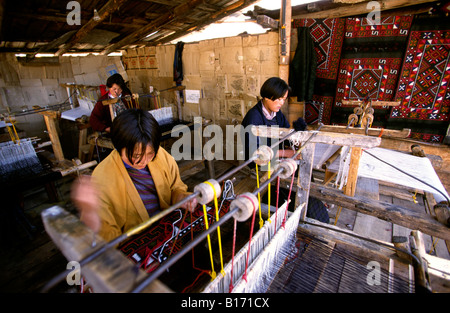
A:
(414, 198)
(213, 273)
(218, 228)
(13, 133)
(261, 223)
(435, 241)
(337, 214)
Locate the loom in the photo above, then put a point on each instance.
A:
(18, 160)
(260, 265)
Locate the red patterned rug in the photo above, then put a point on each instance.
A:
(328, 35)
(370, 65)
(390, 26)
(423, 85)
(367, 79)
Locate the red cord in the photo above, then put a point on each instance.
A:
(232, 256)
(288, 199)
(276, 207)
(251, 235)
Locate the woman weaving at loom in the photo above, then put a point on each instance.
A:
(137, 180)
(274, 93)
(100, 118)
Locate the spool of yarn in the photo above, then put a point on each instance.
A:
(289, 166)
(246, 204)
(207, 191)
(263, 155)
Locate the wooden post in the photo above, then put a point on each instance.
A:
(285, 45)
(304, 177)
(352, 177)
(49, 118)
(421, 268)
(110, 272)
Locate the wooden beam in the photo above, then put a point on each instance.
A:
(166, 18)
(352, 178)
(372, 102)
(188, 29)
(2, 14)
(304, 178)
(418, 249)
(110, 272)
(219, 14)
(376, 132)
(285, 45)
(386, 211)
(104, 12)
(357, 9)
(50, 118)
(62, 18)
(322, 137)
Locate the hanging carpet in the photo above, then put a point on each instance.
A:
(327, 36)
(370, 65)
(423, 85)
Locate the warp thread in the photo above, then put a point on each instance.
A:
(18, 160)
(263, 250)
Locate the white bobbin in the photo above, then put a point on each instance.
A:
(289, 167)
(247, 203)
(264, 154)
(207, 192)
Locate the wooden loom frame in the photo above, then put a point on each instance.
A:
(74, 239)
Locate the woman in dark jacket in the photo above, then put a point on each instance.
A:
(274, 93)
(100, 118)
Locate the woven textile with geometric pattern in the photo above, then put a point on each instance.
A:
(370, 65)
(423, 86)
(327, 35)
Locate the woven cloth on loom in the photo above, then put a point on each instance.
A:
(423, 84)
(370, 65)
(327, 35)
(154, 246)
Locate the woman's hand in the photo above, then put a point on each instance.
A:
(84, 195)
(288, 153)
(189, 205)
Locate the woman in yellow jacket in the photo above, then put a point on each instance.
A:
(137, 180)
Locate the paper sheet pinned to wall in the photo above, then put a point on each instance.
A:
(192, 96)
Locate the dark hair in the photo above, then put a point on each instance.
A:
(115, 79)
(274, 88)
(118, 79)
(133, 127)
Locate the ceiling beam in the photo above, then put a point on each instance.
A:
(171, 3)
(103, 13)
(61, 18)
(209, 20)
(178, 11)
(2, 13)
(345, 10)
